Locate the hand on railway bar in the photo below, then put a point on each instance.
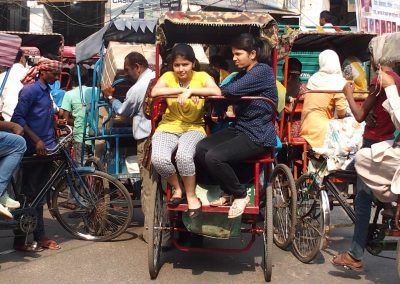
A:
(348, 89)
(40, 148)
(184, 96)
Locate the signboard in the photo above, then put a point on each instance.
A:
(378, 16)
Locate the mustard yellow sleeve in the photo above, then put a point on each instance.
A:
(340, 103)
(168, 78)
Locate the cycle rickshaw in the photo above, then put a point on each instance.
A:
(217, 28)
(102, 204)
(316, 194)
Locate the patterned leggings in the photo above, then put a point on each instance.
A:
(163, 146)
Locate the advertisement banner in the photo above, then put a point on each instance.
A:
(378, 16)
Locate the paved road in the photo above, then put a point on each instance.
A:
(125, 261)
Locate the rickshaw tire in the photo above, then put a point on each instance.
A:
(398, 258)
(155, 234)
(291, 202)
(268, 236)
(310, 255)
(89, 235)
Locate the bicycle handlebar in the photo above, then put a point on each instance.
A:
(63, 140)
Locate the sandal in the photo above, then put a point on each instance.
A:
(347, 261)
(238, 206)
(28, 248)
(194, 213)
(224, 200)
(176, 200)
(49, 244)
(68, 205)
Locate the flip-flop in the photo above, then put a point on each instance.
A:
(49, 244)
(194, 213)
(224, 200)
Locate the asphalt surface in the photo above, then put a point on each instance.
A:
(125, 261)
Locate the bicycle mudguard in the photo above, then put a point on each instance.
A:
(84, 170)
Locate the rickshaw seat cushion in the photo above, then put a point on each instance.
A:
(266, 158)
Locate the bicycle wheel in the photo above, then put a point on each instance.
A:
(92, 206)
(268, 236)
(155, 224)
(284, 199)
(310, 219)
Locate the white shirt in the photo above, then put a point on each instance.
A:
(9, 97)
(133, 105)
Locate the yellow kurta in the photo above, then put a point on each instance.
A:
(318, 109)
(177, 118)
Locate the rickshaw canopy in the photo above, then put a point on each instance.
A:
(9, 46)
(344, 44)
(213, 27)
(52, 43)
(121, 30)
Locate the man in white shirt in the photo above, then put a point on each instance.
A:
(378, 168)
(9, 97)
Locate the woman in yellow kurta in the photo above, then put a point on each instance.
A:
(319, 108)
(182, 125)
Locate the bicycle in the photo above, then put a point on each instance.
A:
(89, 204)
(315, 199)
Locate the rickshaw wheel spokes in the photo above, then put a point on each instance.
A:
(155, 225)
(284, 205)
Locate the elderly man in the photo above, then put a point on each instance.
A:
(138, 69)
(379, 173)
(34, 113)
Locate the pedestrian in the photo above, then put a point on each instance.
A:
(138, 69)
(34, 112)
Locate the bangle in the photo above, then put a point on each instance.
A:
(109, 98)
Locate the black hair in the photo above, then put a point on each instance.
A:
(248, 42)
(219, 62)
(134, 58)
(329, 17)
(294, 65)
(183, 50)
(19, 55)
(214, 73)
(74, 75)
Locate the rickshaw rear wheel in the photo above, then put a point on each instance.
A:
(284, 205)
(94, 206)
(310, 220)
(155, 224)
(268, 236)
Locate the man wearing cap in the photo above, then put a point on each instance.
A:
(34, 112)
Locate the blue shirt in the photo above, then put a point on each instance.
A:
(35, 109)
(254, 117)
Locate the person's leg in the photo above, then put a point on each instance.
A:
(163, 146)
(219, 160)
(12, 149)
(363, 202)
(186, 167)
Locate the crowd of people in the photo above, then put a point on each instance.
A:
(180, 147)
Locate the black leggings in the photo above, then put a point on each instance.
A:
(220, 152)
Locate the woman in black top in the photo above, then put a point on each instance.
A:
(253, 132)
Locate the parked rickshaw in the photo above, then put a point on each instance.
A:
(218, 28)
(317, 195)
